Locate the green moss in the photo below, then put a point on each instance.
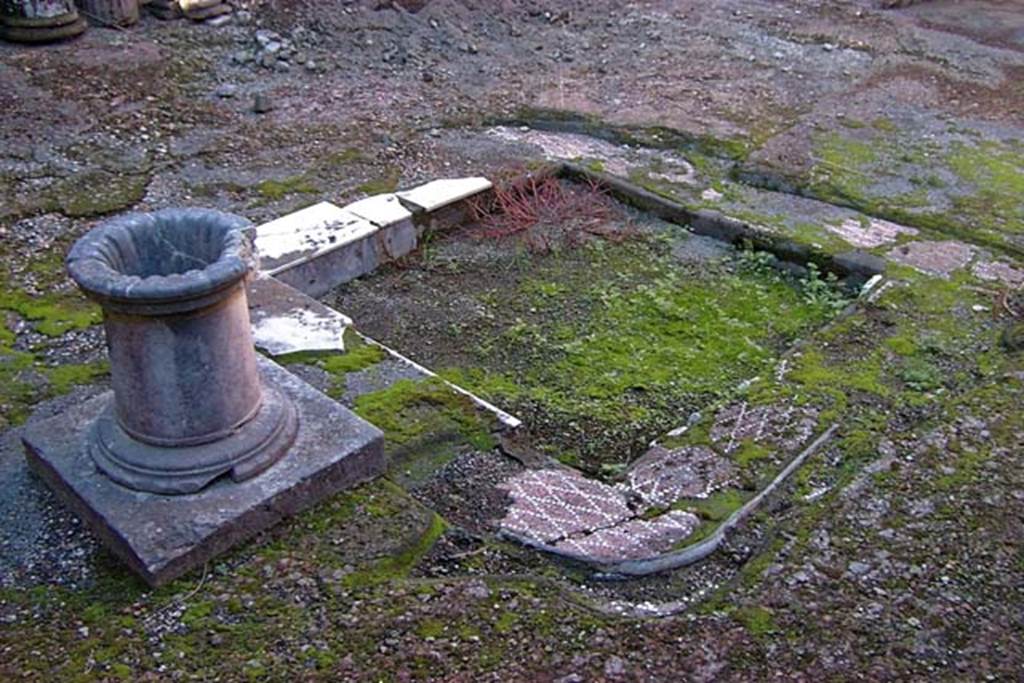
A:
(358, 355)
(606, 348)
(53, 315)
(398, 565)
(95, 193)
(903, 345)
(382, 185)
(712, 511)
(345, 157)
(759, 621)
(273, 190)
(885, 125)
(997, 173)
(409, 411)
(749, 452)
(430, 628)
(64, 377)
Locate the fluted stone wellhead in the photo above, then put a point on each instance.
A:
(188, 403)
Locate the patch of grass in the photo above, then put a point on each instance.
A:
(605, 348)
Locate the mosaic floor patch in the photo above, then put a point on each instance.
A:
(786, 428)
(662, 476)
(636, 539)
(550, 505)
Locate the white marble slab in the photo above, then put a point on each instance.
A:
(438, 194)
(285, 320)
(307, 233)
(381, 209)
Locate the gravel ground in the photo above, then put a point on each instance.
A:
(896, 555)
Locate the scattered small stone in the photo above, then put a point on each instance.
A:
(859, 568)
(226, 90)
(262, 103)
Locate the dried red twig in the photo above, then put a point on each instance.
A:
(543, 211)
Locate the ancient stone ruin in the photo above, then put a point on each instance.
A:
(164, 467)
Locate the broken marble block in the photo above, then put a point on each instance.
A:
(397, 233)
(445, 203)
(317, 248)
(284, 320)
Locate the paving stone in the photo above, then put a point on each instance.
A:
(305, 234)
(382, 210)
(933, 258)
(162, 537)
(284, 320)
(662, 476)
(438, 194)
(786, 428)
(874, 233)
(636, 539)
(999, 271)
(549, 505)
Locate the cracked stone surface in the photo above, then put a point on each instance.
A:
(933, 258)
(999, 271)
(550, 505)
(634, 540)
(663, 476)
(616, 159)
(876, 233)
(786, 428)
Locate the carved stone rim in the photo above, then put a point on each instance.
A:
(166, 261)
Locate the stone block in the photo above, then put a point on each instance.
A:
(326, 270)
(318, 248)
(306, 234)
(933, 258)
(382, 210)
(397, 236)
(162, 537)
(284, 320)
(438, 194)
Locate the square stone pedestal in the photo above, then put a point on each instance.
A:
(162, 537)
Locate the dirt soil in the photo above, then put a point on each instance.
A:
(897, 553)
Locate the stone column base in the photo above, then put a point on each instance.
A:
(162, 537)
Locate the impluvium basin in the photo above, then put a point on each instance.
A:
(188, 405)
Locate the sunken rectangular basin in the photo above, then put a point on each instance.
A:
(600, 327)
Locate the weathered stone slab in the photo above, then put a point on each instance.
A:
(397, 235)
(381, 209)
(662, 476)
(162, 537)
(549, 505)
(637, 539)
(438, 194)
(933, 258)
(309, 233)
(284, 320)
(870, 233)
(999, 271)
